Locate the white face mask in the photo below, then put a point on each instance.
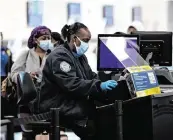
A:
(82, 48)
(46, 45)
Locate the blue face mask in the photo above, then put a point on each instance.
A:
(51, 46)
(80, 50)
(46, 45)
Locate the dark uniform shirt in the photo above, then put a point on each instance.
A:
(69, 83)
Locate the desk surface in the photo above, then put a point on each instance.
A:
(166, 86)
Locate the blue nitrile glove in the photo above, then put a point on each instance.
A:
(108, 85)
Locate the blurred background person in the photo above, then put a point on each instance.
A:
(56, 39)
(135, 26)
(138, 26)
(33, 60)
(6, 60)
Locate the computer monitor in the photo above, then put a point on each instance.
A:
(159, 43)
(106, 57)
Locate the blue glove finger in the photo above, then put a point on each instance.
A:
(113, 81)
(112, 85)
(116, 83)
(108, 88)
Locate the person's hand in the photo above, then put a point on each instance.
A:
(149, 56)
(3, 88)
(32, 74)
(108, 85)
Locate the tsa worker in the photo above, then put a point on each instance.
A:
(69, 84)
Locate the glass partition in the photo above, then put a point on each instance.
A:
(119, 52)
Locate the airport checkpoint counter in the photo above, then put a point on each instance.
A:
(145, 118)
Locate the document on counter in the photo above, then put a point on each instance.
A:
(144, 81)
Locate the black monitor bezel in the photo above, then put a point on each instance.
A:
(98, 50)
(149, 33)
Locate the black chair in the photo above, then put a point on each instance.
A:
(26, 92)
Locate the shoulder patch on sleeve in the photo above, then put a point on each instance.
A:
(65, 67)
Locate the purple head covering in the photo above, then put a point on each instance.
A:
(36, 33)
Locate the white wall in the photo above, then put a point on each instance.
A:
(91, 14)
(13, 15)
(154, 13)
(13, 18)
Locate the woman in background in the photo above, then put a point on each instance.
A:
(32, 61)
(56, 39)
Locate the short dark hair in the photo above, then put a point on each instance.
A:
(120, 33)
(131, 27)
(69, 30)
(57, 37)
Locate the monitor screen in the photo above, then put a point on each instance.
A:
(158, 43)
(115, 52)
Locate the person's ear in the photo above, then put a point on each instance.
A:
(74, 39)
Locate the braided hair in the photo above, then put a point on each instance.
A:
(69, 30)
(57, 37)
